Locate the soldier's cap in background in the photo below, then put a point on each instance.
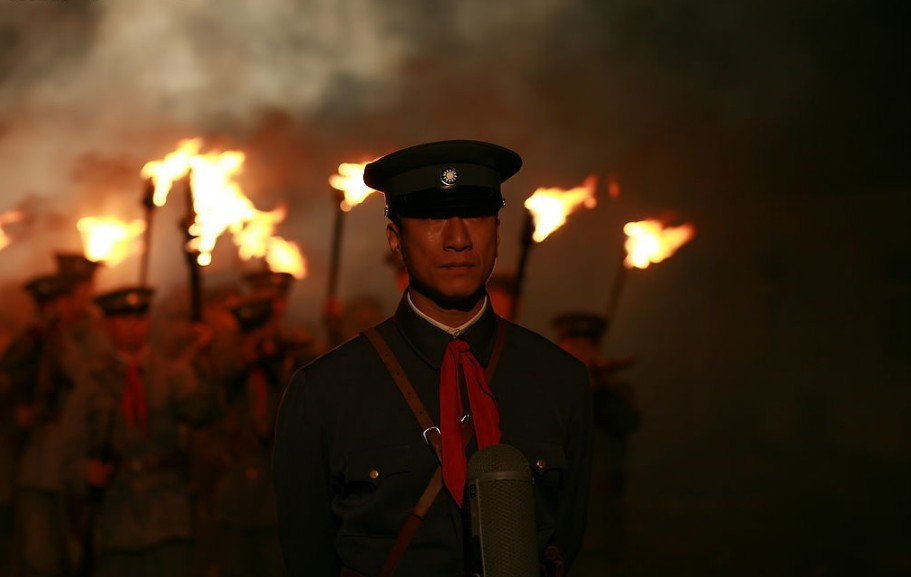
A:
(134, 300)
(275, 283)
(580, 324)
(47, 287)
(443, 179)
(252, 312)
(75, 265)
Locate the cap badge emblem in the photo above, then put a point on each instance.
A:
(449, 176)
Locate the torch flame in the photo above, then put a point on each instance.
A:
(8, 218)
(350, 180)
(218, 203)
(107, 238)
(285, 256)
(649, 242)
(551, 206)
(174, 167)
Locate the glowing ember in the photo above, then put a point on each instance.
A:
(350, 180)
(648, 241)
(174, 167)
(8, 218)
(107, 238)
(285, 256)
(218, 202)
(551, 206)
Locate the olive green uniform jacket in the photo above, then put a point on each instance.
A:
(147, 501)
(350, 461)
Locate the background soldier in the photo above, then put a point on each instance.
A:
(126, 440)
(276, 286)
(85, 335)
(7, 461)
(244, 496)
(616, 416)
(40, 382)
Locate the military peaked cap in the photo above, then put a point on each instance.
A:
(443, 179)
(252, 312)
(580, 324)
(275, 282)
(75, 265)
(47, 287)
(125, 301)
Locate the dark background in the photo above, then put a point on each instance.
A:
(774, 350)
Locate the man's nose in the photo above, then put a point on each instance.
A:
(456, 235)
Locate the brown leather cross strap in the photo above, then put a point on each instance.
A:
(419, 511)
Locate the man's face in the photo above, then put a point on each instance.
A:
(129, 332)
(448, 260)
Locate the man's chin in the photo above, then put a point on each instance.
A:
(454, 301)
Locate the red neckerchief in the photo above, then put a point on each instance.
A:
(484, 413)
(133, 402)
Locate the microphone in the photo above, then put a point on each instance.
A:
(502, 510)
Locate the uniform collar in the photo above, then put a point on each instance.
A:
(430, 342)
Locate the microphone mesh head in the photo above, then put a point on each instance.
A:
(496, 459)
(502, 504)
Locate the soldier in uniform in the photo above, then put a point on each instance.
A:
(616, 417)
(276, 286)
(126, 448)
(85, 334)
(244, 499)
(351, 461)
(7, 462)
(40, 381)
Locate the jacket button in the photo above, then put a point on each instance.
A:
(541, 464)
(374, 474)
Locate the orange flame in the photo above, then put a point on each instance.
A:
(218, 201)
(108, 238)
(8, 218)
(285, 256)
(350, 180)
(551, 206)
(649, 242)
(174, 167)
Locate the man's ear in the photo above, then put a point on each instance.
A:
(394, 238)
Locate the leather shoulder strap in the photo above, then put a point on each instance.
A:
(400, 378)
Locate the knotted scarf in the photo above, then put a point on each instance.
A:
(133, 402)
(458, 359)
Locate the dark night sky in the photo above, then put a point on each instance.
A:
(773, 349)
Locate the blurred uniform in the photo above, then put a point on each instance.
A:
(85, 335)
(244, 500)
(37, 366)
(297, 343)
(126, 420)
(7, 464)
(616, 415)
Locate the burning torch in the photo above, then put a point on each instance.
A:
(108, 239)
(647, 241)
(349, 192)
(547, 211)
